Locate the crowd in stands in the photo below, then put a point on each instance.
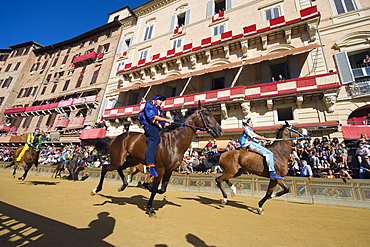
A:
(325, 157)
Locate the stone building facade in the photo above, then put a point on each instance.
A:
(225, 53)
(299, 61)
(59, 87)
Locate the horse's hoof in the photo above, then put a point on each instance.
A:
(233, 190)
(260, 211)
(13, 176)
(153, 215)
(224, 201)
(93, 192)
(21, 178)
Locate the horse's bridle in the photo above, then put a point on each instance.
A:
(301, 136)
(205, 128)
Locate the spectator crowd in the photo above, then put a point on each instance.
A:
(323, 157)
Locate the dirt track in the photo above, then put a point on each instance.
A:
(41, 211)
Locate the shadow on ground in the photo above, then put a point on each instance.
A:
(217, 203)
(20, 227)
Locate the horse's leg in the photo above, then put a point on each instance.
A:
(270, 190)
(26, 169)
(165, 181)
(104, 171)
(14, 170)
(285, 188)
(124, 181)
(218, 183)
(154, 190)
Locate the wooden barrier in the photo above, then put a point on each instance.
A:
(352, 193)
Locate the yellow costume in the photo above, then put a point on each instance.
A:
(32, 140)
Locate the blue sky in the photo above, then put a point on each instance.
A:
(49, 21)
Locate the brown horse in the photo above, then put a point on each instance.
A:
(75, 165)
(59, 167)
(30, 157)
(235, 162)
(133, 170)
(128, 149)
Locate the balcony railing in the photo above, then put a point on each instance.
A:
(360, 87)
(361, 72)
(85, 59)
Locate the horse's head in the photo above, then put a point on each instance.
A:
(289, 131)
(203, 120)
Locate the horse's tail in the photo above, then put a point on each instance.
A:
(101, 144)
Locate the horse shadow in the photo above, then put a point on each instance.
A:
(216, 203)
(138, 200)
(196, 241)
(39, 183)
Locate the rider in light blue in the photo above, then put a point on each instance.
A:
(249, 140)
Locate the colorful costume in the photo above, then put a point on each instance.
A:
(248, 140)
(32, 141)
(148, 119)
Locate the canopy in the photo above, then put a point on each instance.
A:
(355, 131)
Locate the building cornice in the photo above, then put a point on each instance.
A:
(151, 6)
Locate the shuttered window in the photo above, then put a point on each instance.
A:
(148, 32)
(272, 13)
(344, 67)
(343, 6)
(79, 81)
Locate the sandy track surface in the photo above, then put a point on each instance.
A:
(42, 211)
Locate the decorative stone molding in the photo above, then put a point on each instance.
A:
(270, 104)
(246, 108)
(264, 42)
(153, 72)
(312, 29)
(142, 73)
(184, 111)
(179, 64)
(131, 76)
(151, 7)
(227, 51)
(193, 60)
(165, 68)
(299, 101)
(181, 9)
(288, 36)
(353, 41)
(244, 45)
(208, 56)
(224, 111)
(330, 99)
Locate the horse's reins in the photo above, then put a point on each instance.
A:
(195, 126)
(301, 136)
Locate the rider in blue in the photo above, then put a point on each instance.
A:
(152, 119)
(249, 140)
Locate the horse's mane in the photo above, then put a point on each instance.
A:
(180, 119)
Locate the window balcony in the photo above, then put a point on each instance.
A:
(361, 72)
(85, 59)
(360, 87)
(62, 123)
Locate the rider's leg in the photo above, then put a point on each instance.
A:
(152, 139)
(21, 154)
(255, 147)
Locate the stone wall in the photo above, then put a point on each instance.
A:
(352, 193)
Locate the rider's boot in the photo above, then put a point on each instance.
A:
(152, 170)
(273, 175)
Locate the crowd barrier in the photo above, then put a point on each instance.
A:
(338, 192)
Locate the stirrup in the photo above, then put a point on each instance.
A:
(273, 175)
(152, 171)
